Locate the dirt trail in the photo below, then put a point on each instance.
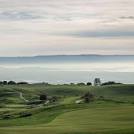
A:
(22, 97)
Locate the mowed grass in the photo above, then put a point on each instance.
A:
(96, 118)
(99, 119)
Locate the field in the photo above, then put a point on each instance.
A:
(111, 111)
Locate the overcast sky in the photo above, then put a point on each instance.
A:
(45, 27)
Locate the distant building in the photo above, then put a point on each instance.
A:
(78, 101)
(97, 82)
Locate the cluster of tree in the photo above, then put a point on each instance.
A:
(110, 83)
(89, 84)
(82, 84)
(88, 97)
(12, 83)
(44, 97)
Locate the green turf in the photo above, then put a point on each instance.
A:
(111, 115)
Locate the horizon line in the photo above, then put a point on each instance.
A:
(26, 56)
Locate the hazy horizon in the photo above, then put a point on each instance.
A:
(43, 55)
(67, 69)
(31, 29)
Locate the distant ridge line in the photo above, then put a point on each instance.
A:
(60, 55)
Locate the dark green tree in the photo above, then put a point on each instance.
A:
(89, 83)
(43, 97)
(11, 83)
(88, 97)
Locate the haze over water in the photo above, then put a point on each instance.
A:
(66, 69)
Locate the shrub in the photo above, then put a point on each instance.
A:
(25, 114)
(81, 84)
(11, 83)
(88, 97)
(110, 83)
(21, 83)
(5, 82)
(7, 116)
(89, 83)
(43, 97)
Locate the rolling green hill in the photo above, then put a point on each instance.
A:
(112, 113)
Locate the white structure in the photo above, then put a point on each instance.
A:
(97, 82)
(78, 101)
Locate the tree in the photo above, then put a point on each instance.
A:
(81, 84)
(1, 82)
(89, 83)
(5, 82)
(72, 84)
(88, 97)
(110, 83)
(11, 83)
(43, 97)
(21, 83)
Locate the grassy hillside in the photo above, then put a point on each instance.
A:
(123, 92)
(94, 119)
(111, 115)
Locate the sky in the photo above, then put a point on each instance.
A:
(56, 27)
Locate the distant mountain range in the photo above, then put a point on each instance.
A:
(67, 58)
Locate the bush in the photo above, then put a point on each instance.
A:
(11, 83)
(7, 116)
(25, 114)
(43, 97)
(21, 83)
(89, 83)
(5, 82)
(1, 82)
(88, 97)
(110, 83)
(81, 84)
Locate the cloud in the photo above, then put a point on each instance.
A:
(101, 33)
(127, 17)
(31, 27)
(15, 15)
(66, 9)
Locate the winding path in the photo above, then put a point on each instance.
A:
(22, 97)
